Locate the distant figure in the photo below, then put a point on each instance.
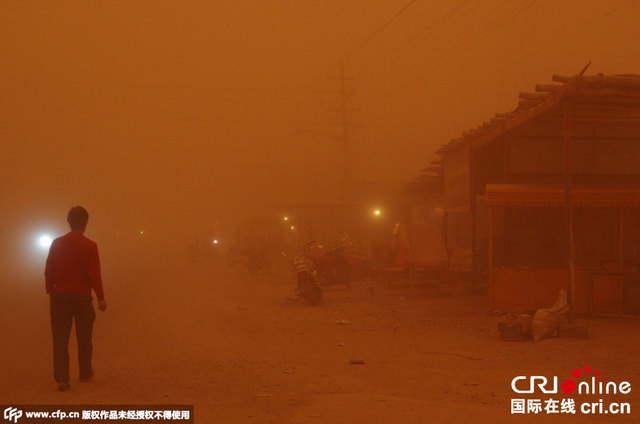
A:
(72, 270)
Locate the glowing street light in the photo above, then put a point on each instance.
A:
(285, 219)
(215, 242)
(377, 212)
(293, 227)
(45, 241)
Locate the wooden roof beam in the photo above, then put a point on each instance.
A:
(598, 114)
(560, 78)
(533, 96)
(623, 93)
(611, 81)
(607, 101)
(550, 88)
(594, 120)
(528, 104)
(590, 108)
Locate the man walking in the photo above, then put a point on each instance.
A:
(71, 272)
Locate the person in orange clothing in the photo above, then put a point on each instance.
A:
(72, 271)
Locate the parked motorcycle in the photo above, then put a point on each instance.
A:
(308, 284)
(317, 268)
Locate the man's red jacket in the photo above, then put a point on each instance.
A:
(73, 266)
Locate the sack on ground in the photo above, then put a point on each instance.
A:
(547, 321)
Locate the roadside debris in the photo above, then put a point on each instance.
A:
(357, 362)
(515, 327)
(343, 322)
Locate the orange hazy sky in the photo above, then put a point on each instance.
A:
(171, 108)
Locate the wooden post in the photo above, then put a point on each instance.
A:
(590, 307)
(472, 207)
(298, 227)
(566, 132)
(506, 159)
(506, 179)
(445, 238)
(490, 257)
(621, 260)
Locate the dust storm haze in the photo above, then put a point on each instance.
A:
(168, 119)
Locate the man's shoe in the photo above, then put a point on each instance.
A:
(63, 386)
(87, 378)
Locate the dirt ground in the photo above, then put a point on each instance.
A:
(243, 349)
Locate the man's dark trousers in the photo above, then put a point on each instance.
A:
(66, 307)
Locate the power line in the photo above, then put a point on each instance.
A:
(483, 23)
(568, 33)
(582, 27)
(423, 33)
(561, 37)
(471, 45)
(489, 33)
(435, 48)
(375, 33)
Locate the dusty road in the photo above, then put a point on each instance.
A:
(242, 349)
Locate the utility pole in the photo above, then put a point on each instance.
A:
(343, 112)
(343, 136)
